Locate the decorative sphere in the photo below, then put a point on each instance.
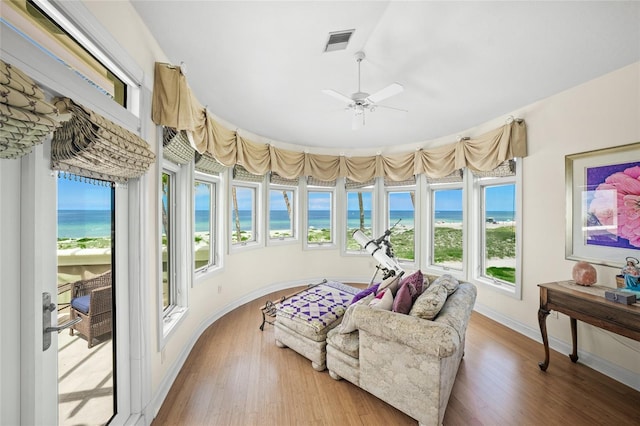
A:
(584, 274)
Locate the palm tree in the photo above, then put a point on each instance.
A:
(361, 207)
(287, 202)
(237, 213)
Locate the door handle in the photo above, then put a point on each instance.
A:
(63, 326)
(48, 308)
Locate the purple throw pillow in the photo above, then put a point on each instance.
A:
(369, 290)
(403, 301)
(414, 281)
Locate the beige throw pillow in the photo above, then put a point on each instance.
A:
(391, 282)
(429, 303)
(384, 300)
(348, 325)
(449, 282)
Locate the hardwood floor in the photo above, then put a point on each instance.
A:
(235, 375)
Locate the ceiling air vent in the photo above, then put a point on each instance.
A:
(338, 40)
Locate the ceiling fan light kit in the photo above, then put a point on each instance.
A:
(361, 101)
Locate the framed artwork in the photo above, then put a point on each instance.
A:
(603, 205)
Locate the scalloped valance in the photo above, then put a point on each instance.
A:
(92, 146)
(174, 105)
(25, 117)
(176, 146)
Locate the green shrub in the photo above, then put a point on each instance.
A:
(502, 273)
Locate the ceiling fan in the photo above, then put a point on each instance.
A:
(361, 101)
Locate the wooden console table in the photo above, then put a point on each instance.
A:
(587, 306)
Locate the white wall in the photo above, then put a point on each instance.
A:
(602, 113)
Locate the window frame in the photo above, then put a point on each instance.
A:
(386, 222)
(431, 190)
(478, 240)
(257, 214)
(295, 228)
(106, 50)
(320, 245)
(182, 250)
(374, 218)
(171, 238)
(215, 258)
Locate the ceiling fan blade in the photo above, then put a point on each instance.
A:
(389, 107)
(337, 95)
(387, 92)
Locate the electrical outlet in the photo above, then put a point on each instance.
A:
(162, 356)
(219, 289)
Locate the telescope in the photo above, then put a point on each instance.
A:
(381, 250)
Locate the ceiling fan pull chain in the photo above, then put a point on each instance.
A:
(359, 62)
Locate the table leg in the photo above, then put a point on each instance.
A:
(574, 338)
(542, 320)
(264, 319)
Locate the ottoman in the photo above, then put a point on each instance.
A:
(303, 321)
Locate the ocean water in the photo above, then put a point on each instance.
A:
(84, 223)
(97, 223)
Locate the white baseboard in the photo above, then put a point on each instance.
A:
(601, 365)
(172, 373)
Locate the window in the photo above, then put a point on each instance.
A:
(176, 254)
(205, 238)
(446, 226)
(497, 202)
(400, 217)
(42, 24)
(498, 238)
(359, 216)
(243, 214)
(320, 216)
(246, 208)
(282, 211)
(168, 237)
(86, 222)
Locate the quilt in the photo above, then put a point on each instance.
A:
(318, 306)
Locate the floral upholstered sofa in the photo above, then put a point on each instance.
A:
(408, 358)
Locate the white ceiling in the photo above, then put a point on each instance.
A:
(261, 66)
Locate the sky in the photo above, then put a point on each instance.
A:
(74, 195)
(497, 198)
(203, 196)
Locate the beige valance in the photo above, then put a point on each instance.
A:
(176, 146)
(279, 180)
(504, 169)
(25, 117)
(244, 175)
(454, 177)
(205, 163)
(352, 184)
(175, 106)
(313, 181)
(407, 182)
(92, 146)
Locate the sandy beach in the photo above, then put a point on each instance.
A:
(458, 225)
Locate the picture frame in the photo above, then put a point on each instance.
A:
(602, 200)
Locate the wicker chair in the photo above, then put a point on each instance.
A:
(91, 301)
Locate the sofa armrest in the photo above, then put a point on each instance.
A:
(426, 336)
